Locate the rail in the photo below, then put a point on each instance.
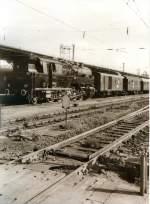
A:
(32, 157)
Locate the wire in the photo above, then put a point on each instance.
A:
(47, 15)
(137, 14)
(133, 1)
(84, 33)
(56, 19)
(137, 8)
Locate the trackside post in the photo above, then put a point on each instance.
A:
(143, 174)
(0, 115)
(66, 106)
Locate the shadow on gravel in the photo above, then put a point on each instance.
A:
(12, 100)
(120, 191)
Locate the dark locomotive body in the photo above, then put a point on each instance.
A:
(23, 79)
(38, 80)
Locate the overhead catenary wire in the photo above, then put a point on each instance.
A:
(58, 20)
(134, 1)
(47, 15)
(138, 14)
(136, 6)
(84, 34)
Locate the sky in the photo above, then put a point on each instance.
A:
(106, 33)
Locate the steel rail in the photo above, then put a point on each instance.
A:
(118, 141)
(78, 112)
(34, 156)
(83, 169)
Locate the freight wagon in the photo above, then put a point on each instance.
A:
(131, 84)
(144, 85)
(108, 84)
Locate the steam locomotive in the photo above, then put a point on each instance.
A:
(38, 79)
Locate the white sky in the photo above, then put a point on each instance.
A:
(104, 21)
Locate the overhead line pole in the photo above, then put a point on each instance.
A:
(73, 52)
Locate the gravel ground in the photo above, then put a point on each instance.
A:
(126, 159)
(12, 113)
(22, 142)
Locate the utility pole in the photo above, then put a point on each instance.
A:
(123, 66)
(73, 52)
(138, 71)
(0, 115)
(61, 49)
(67, 51)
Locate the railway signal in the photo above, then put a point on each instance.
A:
(66, 105)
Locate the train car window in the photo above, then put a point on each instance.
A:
(45, 67)
(133, 83)
(60, 68)
(32, 68)
(20, 67)
(38, 65)
(52, 67)
(5, 65)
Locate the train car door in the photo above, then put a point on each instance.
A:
(97, 81)
(125, 84)
(50, 68)
(110, 82)
(142, 85)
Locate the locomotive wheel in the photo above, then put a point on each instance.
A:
(48, 100)
(32, 100)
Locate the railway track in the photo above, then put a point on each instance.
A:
(73, 156)
(86, 145)
(47, 119)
